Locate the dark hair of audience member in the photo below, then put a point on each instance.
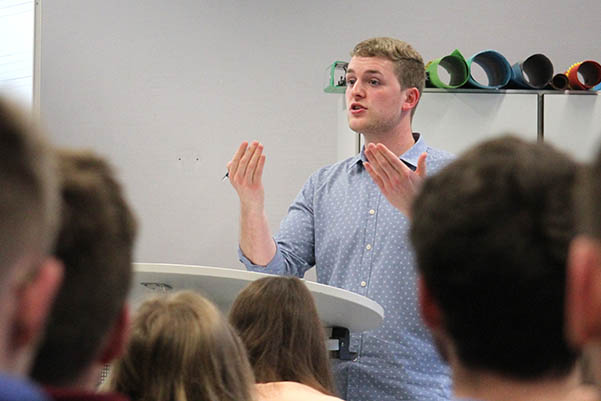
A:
(95, 244)
(491, 233)
(278, 323)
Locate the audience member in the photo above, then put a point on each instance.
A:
(29, 278)
(491, 233)
(88, 322)
(278, 323)
(181, 348)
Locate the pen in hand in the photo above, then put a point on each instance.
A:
(225, 177)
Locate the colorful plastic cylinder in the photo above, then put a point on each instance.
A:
(495, 66)
(455, 65)
(533, 73)
(584, 75)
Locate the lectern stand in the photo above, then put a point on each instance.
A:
(338, 309)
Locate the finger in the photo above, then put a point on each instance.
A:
(374, 175)
(377, 169)
(384, 167)
(232, 166)
(393, 159)
(243, 166)
(259, 171)
(370, 153)
(252, 164)
(370, 149)
(421, 165)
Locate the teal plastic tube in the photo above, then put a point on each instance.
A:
(495, 66)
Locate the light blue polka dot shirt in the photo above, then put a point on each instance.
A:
(341, 223)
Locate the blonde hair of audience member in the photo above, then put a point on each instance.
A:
(29, 211)
(182, 349)
(277, 320)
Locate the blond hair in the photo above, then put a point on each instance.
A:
(182, 349)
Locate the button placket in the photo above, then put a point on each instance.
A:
(370, 232)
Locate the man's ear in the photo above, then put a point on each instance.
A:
(583, 291)
(427, 306)
(117, 338)
(35, 297)
(411, 99)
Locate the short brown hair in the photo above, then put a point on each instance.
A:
(278, 323)
(29, 202)
(181, 348)
(491, 233)
(408, 63)
(95, 244)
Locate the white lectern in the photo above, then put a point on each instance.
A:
(339, 309)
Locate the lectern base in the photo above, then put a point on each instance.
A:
(344, 339)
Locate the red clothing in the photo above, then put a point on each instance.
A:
(67, 394)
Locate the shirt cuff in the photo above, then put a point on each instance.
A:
(275, 266)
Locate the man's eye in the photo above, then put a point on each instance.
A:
(374, 82)
(350, 81)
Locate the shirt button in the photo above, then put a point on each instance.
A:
(368, 247)
(372, 211)
(363, 284)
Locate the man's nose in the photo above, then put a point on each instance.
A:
(357, 90)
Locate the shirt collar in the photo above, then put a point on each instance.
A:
(409, 157)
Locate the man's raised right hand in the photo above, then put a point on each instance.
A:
(245, 172)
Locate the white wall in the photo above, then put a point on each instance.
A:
(16, 50)
(149, 81)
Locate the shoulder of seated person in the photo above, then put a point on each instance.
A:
(290, 391)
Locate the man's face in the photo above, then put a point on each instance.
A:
(374, 96)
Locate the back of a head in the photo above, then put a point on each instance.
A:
(95, 243)
(491, 233)
(408, 63)
(29, 205)
(181, 348)
(278, 323)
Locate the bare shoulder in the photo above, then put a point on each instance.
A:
(290, 391)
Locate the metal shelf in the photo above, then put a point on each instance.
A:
(513, 91)
(540, 124)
